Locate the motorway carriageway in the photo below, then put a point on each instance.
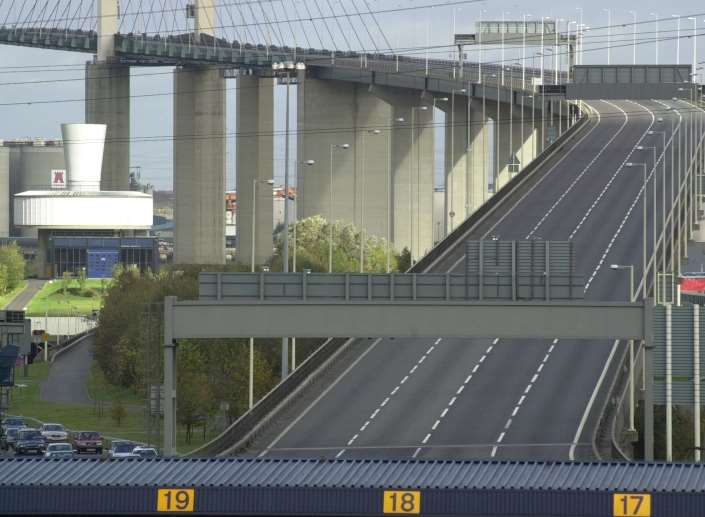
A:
(522, 399)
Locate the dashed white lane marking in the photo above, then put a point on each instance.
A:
(582, 173)
(455, 397)
(510, 420)
(391, 394)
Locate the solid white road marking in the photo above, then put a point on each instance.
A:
(586, 413)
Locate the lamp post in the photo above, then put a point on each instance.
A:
(678, 38)
(643, 236)
(654, 245)
(695, 48)
(449, 209)
(251, 381)
(663, 202)
(305, 163)
(655, 15)
(579, 35)
(362, 202)
(609, 35)
(389, 194)
(288, 67)
(330, 205)
(411, 183)
(634, 38)
(523, 52)
(630, 268)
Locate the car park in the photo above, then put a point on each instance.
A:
(59, 450)
(88, 441)
(145, 452)
(54, 433)
(122, 449)
(30, 441)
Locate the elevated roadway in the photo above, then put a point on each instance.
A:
(455, 398)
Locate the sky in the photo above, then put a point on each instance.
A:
(40, 89)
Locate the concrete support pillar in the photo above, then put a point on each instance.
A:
(199, 166)
(108, 102)
(466, 151)
(254, 166)
(414, 161)
(333, 113)
(327, 116)
(412, 169)
(6, 199)
(205, 17)
(108, 20)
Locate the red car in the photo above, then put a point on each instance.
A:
(88, 441)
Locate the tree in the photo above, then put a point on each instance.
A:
(313, 248)
(118, 412)
(82, 279)
(3, 279)
(12, 258)
(65, 282)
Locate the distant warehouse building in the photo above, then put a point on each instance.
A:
(78, 225)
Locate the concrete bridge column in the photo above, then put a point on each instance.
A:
(413, 164)
(108, 102)
(327, 117)
(199, 166)
(254, 166)
(466, 154)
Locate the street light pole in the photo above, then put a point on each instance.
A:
(663, 206)
(654, 245)
(609, 35)
(643, 237)
(330, 206)
(634, 39)
(678, 38)
(655, 15)
(251, 377)
(362, 203)
(630, 268)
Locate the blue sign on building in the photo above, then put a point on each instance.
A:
(102, 262)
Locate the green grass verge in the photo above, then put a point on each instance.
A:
(10, 295)
(100, 389)
(50, 299)
(25, 401)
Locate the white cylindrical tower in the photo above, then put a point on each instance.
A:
(83, 150)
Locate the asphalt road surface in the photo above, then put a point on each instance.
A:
(528, 399)
(21, 301)
(69, 374)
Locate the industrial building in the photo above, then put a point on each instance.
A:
(76, 224)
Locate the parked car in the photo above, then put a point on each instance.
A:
(30, 441)
(12, 421)
(122, 449)
(9, 438)
(59, 450)
(145, 452)
(54, 433)
(88, 441)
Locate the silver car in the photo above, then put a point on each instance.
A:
(54, 433)
(59, 450)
